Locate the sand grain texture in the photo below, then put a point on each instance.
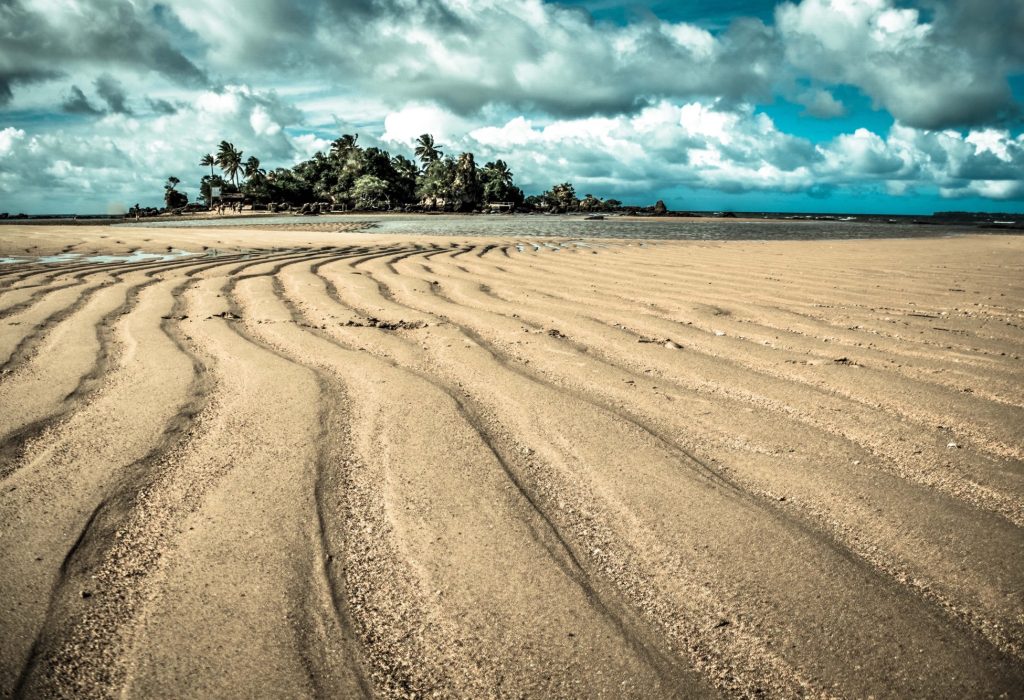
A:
(337, 464)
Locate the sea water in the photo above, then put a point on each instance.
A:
(546, 226)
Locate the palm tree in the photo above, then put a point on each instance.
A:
(500, 172)
(208, 159)
(252, 168)
(341, 147)
(427, 151)
(229, 159)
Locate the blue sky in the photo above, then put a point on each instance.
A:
(816, 105)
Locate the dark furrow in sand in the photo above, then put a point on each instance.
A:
(335, 636)
(644, 325)
(14, 439)
(332, 450)
(549, 536)
(695, 292)
(31, 339)
(111, 556)
(896, 593)
(760, 665)
(63, 661)
(893, 456)
(158, 655)
(82, 271)
(31, 298)
(998, 542)
(36, 336)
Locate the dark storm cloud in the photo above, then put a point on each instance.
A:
(161, 106)
(992, 29)
(949, 72)
(102, 33)
(77, 103)
(946, 67)
(525, 56)
(9, 77)
(111, 92)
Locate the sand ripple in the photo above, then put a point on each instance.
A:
(405, 467)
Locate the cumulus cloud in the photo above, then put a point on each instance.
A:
(921, 72)
(618, 108)
(695, 145)
(529, 55)
(125, 157)
(820, 103)
(702, 145)
(534, 56)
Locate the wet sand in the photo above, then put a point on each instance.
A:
(336, 463)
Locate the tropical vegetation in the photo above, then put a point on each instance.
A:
(173, 198)
(349, 176)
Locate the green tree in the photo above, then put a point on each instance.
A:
(403, 186)
(561, 198)
(173, 199)
(252, 168)
(497, 184)
(286, 185)
(427, 151)
(256, 183)
(207, 159)
(435, 183)
(371, 192)
(229, 159)
(342, 147)
(206, 183)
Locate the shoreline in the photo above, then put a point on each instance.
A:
(701, 217)
(33, 240)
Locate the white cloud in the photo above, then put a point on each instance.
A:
(126, 157)
(701, 145)
(8, 137)
(649, 104)
(907, 66)
(407, 124)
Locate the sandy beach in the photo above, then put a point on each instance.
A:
(328, 462)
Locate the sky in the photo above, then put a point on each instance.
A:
(874, 106)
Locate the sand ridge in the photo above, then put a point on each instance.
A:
(402, 466)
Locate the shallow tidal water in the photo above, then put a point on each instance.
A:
(543, 226)
(132, 257)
